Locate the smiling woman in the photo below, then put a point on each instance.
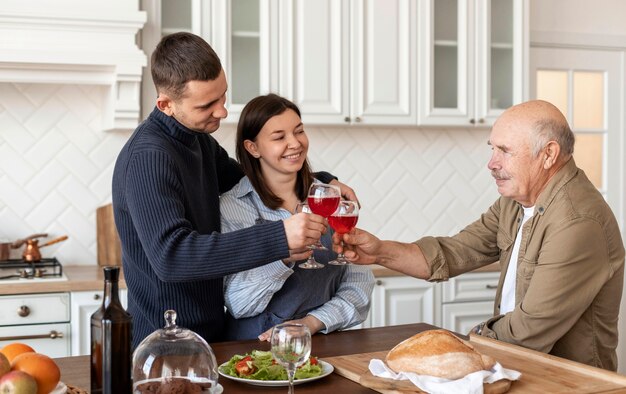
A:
(272, 147)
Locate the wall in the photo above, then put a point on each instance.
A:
(598, 17)
(56, 166)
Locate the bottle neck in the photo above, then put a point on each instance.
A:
(111, 293)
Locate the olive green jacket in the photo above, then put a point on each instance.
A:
(570, 270)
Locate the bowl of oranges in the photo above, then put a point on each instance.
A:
(24, 371)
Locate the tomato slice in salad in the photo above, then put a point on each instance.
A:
(245, 366)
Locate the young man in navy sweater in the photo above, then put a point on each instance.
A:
(166, 187)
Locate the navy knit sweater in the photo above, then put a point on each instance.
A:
(166, 186)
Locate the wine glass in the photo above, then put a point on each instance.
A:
(291, 347)
(342, 221)
(323, 199)
(310, 263)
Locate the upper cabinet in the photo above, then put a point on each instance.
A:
(244, 35)
(364, 61)
(348, 62)
(473, 60)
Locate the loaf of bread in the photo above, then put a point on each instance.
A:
(437, 353)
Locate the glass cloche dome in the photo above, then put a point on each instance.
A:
(174, 360)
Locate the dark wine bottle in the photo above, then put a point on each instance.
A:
(111, 354)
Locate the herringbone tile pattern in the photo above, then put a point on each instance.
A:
(56, 165)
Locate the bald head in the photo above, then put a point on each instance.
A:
(543, 122)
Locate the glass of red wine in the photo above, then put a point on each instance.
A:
(323, 199)
(342, 221)
(310, 263)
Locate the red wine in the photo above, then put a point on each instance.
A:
(111, 355)
(323, 206)
(343, 224)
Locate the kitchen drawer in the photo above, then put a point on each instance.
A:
(34, 308)
(479, 286)
(50, 339)
(463, 316)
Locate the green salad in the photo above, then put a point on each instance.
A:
(260, 365)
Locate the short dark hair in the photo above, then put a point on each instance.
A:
(180, 58)
(252, 119)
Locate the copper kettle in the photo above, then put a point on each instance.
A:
(31, 251)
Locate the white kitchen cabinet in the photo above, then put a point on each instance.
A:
(347, 62)
(340, 61)
(468, 300)
(83, 305)
(244, 34)
(473, 60)
(41, 321)
(240, 33)
(403, 300)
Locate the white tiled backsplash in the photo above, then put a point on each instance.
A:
(56, 165)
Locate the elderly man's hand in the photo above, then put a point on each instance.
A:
(358, 246)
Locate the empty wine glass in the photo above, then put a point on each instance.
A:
(342, 221)
(291, 347)
(310, 263)
(323, 199)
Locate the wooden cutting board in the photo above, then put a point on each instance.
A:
(108, 241)
(356, 368)
(541, 373)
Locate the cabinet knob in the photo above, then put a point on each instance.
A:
(96, 296)
(472, 121)
(379, 282)
(346, 119)
(55, 334)
(23, 311)
(481, 120)
(357, 119)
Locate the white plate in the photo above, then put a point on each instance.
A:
(327, 369)
(61, 388)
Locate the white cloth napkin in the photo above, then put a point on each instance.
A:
(470, 384)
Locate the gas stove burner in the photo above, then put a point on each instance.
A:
(21, 269)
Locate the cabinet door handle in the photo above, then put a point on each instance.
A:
(357, 119)
(53, 334)
(96, 296)
(346, 119)
(472, 121)
(491, 287)
(23, 311)
(481, 120)
(379, 282)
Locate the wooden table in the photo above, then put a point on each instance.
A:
(75, 370)
(540, 372)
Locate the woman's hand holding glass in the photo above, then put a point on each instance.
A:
(291, 347)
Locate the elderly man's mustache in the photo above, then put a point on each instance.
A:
(499, 175)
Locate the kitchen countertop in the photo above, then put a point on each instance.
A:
(79, 278)
(90, 277)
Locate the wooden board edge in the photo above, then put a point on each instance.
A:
(548, 358)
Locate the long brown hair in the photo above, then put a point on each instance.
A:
(252, 119)
(180, 58)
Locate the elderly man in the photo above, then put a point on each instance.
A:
(558, 243)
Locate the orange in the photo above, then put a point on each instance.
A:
(41, 367)
(14, 349)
